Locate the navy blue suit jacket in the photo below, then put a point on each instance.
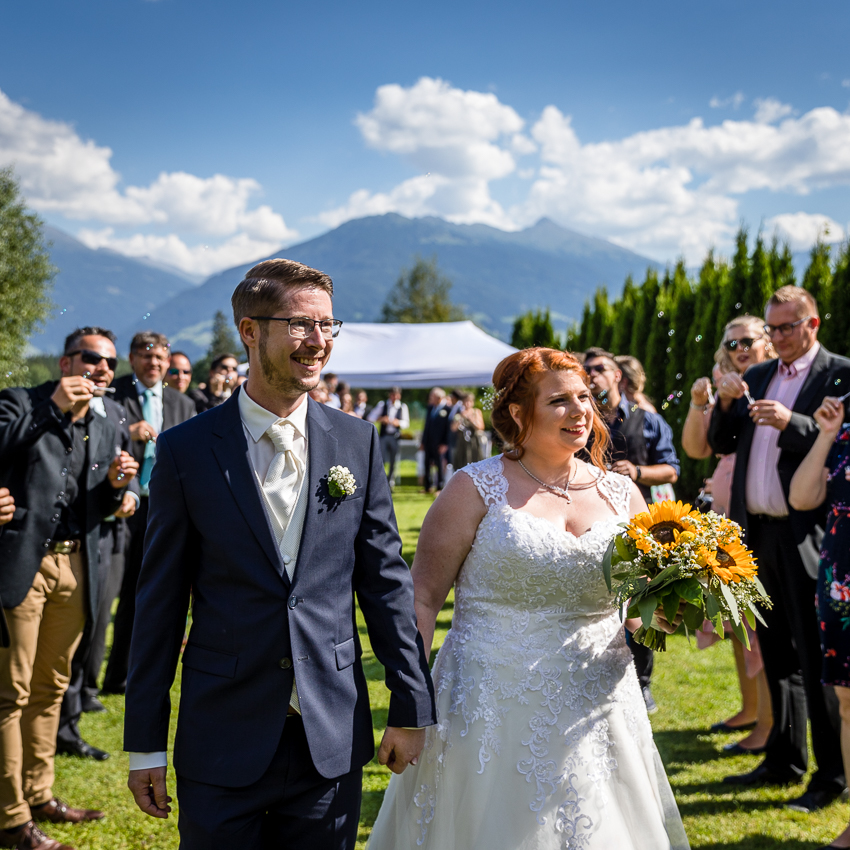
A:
(252, 629)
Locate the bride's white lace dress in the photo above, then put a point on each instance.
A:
(543, 740)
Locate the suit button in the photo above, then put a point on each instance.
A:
(285, 663)
(46, 544)
(68, 451)
(293, 601)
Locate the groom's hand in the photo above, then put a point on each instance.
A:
(400, 747)
(149, 792)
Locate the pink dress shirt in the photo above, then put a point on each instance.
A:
(764, 490)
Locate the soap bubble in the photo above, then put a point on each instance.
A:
(670, 397)
(670, 332)
(678, 376)
(669, 350)
(738, 306)
(661, 314)
(679, 394)
(828, 316)
(698, 338)
(665, 406)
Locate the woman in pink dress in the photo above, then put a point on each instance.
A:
(744, 344)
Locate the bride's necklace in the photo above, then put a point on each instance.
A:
(564, 492)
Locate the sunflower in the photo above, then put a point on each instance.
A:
(664, 521)
(734, 563)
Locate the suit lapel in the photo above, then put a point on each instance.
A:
(814, 381)
(321, 456)
(169, 417)
(759, 390)
(231, 453)
(132, 403)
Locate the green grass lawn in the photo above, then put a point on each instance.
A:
(693, 690)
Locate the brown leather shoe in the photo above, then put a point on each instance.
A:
(56, 811)
(30, 838)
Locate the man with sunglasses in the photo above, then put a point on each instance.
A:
(766, 418)
(62, 462)
(151, 408)
(179, 374)
(221, 382)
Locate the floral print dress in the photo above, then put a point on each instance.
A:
(833, 597)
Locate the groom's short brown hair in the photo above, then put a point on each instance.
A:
(264, 287)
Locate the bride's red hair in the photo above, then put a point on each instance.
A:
(516, 379)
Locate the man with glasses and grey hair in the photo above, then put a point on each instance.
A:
(766, 418)
(274, 725)
(62, 464)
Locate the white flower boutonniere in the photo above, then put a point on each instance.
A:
(341, 482)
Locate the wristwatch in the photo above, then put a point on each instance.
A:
(638, 474)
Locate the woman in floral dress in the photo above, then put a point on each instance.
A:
(824, 476)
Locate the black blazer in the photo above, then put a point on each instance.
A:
(437, 428)
(251, 628)
(733, 432)
(176, 408)
(34, 439)
(118, 415)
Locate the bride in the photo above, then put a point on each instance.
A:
(543, 740)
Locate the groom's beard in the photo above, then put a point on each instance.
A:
(287, 385)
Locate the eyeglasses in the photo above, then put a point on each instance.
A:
(301, 327)
(785, 329)
(596, 370)
(174, 371)
(93, 358)
(745, 342)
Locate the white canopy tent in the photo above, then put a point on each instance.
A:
(377, 356)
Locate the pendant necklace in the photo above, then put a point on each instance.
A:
(564, 492)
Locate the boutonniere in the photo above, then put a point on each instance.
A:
(444, 412)
(341, 482)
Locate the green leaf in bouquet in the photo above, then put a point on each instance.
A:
(693, 616)
(623, 548)
(621, 576)
(760, 586)
(741, 633)
(689, 589)
(757, 614)
(647, 605)
(670, 601)
(733, 605)
(606, 564)
(712, 606)
(750, 616)
(633, 611)
(664, 576)
(651, 638)
(717, 621)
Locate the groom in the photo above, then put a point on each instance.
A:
(274, 724)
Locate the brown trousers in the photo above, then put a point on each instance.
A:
(34, 673)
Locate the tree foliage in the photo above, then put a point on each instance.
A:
(534, 328)
(421, 294)
(25, 275)
(224, 341)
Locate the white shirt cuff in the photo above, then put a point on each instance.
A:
(136, 499)
(145, 761)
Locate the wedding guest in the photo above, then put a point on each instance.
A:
(361, 406)
(641, 449)
(151, 408)
(743, 345)
(824, 476)
(179, 374)
(435, 439)
(319, 393)
(633, 381)
(220, 383)
(468, 427)
(346, 404)
(61, 468)
(392, 417)
(331, 382)
(771, 435)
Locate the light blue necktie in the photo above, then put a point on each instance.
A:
(150, 446)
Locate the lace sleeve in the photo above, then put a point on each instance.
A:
(488, 477)
(616, 489)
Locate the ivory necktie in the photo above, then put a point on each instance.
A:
(281, 491)
(281, 482)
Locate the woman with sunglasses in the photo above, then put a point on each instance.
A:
(744, 344)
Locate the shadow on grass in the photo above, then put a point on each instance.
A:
(684, 745)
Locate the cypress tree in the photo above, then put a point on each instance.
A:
(682, 303)
(534, 328)
(818, 281)
(759, 284)
(781, 264)
(658, 342)
(702, 342)
(624, 319)
(645, 310)
(840, 307)
(739, 275)
(583, 328)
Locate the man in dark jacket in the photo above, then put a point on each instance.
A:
(221, 382)
(151, 409)
(435, 437)
(59, 461)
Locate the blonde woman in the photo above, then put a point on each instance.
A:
(744, 344)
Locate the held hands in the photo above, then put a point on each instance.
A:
(7, 506)
(122, 470)
(400, 747)
(72, 391)
(829, 417)
(149, 791)
(770, 413)
(142, 432)
(699, 391)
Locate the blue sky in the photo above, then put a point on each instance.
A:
(205, 134)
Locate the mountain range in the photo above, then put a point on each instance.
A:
(495, 274)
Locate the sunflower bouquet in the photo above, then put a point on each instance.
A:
(672, 554)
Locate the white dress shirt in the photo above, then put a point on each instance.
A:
(256, 420)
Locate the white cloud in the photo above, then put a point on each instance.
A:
(845, 84)
(63, 174)
(769, 110)
(203, 259)
(734, 101)
(802, 229)
(462, 139)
